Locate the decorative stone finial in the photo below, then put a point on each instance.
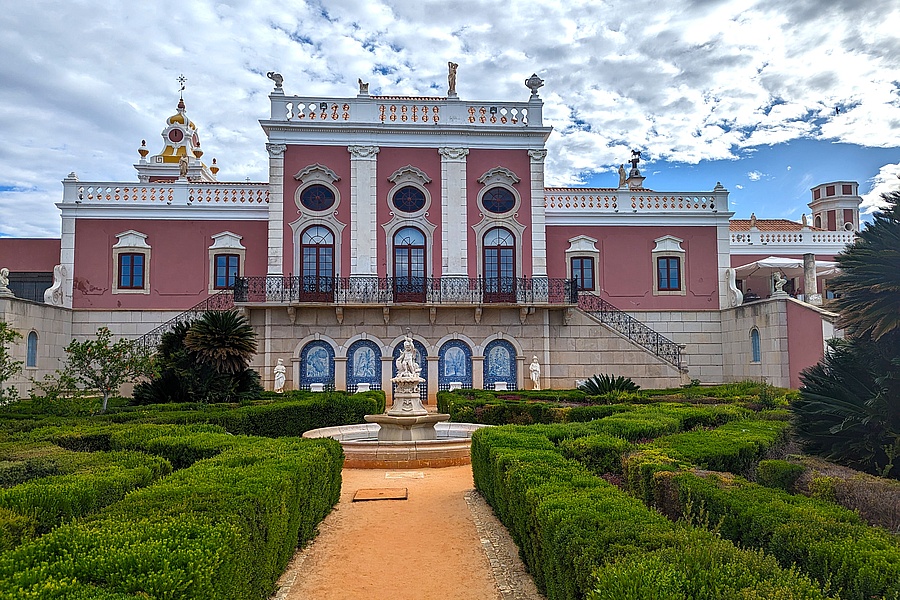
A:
(363, 87)
(143, 150)
(214, 168)
(534, 83)
(277, 78)
(181, 81)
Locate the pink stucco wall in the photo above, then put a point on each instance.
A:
(626, 264)
(29, 254)
(427, 160)
(179, 260)
(805, 340)
(477, 164)
(336, 158)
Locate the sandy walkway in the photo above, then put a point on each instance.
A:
(424, 547)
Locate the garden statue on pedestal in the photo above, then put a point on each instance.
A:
(535, 369)
(279, 376)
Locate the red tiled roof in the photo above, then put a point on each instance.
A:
(767, 225)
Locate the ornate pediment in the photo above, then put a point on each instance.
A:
(316, 172)
(499, 175)
(409, 173)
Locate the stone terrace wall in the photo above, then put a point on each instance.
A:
(53, 326)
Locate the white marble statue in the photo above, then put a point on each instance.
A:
(407, 366)
(622, 176)
(183, 164)
(780, 280)
(4, 281)
(735, 296)
(535, 369)
(55, 295)
(451, 78)
(279, 376)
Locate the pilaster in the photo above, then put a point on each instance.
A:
(454, 221)
(363, 204)
(538, 218)
(276, 209)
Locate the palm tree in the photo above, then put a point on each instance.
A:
(223, 340)
(870, 281)
(850, 402)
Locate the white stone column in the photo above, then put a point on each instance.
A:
(538, 218)
(71, 197)
(454, 221)
(276, 209)
(363, 204)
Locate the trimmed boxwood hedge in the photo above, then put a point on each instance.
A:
(222, 528)
(579, 535)
(826, 541)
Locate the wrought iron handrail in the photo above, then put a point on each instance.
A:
(223, 300)
(421, 290)
(631, 328)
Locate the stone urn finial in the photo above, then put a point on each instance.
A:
(534, 83)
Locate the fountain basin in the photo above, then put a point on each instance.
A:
(363, 450)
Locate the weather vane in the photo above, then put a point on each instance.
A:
(181, 80)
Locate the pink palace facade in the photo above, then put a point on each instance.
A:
(384, 215)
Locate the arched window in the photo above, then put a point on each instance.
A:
(31, 350)
(454, 364)
(422, 359)
(755, 347)
(818, 222)
(317, 264)
(364, 365)
(499, 265)
(409, 265)
(500, 364)
(316, 364)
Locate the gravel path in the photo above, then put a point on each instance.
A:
(443, 542)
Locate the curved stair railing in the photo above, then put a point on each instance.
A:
(631, 328)
(223, 300)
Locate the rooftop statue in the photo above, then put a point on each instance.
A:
(277, 78)
(363, 86)
(451, 78)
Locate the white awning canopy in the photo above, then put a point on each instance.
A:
(788, 266)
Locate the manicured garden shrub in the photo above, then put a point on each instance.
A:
(580, 414)
(604, 384)
(223, 528)
(826, 541)
(570, 525)
(733, 447)
(779, 474)
(599, 453)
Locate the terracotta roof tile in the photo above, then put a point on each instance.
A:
(767, 225)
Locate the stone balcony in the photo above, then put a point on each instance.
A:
(806, 241)
(177, 193)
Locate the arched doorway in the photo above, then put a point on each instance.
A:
(317, 265)
(409, 265)
(499, 265)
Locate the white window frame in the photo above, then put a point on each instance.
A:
(225, 242)
(131, 242)
(666, 247)
(582, 246)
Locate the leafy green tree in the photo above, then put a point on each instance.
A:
(9, 368)
(849, 407)
(101, 365)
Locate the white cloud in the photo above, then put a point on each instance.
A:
(755, 175)
(738, 186)
(887, 181)
(701, 81)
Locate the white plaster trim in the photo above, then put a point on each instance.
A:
(411, 174)
(499, 175)
(316, 172)
(396, 224)
(510, 224)
(669, 246)
(131, 242)
(582, 246)
(524, 138)
(226, 242)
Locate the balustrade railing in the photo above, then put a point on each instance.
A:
(388, 290)
(631, 328)
(223, 300)
(173, 193)
(560, 201)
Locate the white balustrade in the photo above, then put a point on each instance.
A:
(179, 192)
(589, 200)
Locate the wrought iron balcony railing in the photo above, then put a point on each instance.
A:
(631, 328)
(392, 290)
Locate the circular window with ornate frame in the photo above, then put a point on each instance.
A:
(317, 197)
(498, 200)
(409, 199)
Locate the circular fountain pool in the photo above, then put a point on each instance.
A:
(362, 450)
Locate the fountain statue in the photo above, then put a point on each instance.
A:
(407, 419)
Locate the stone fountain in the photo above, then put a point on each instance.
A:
(407, 420)
(407, 436)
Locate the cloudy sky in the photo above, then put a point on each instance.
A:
(769, 97)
